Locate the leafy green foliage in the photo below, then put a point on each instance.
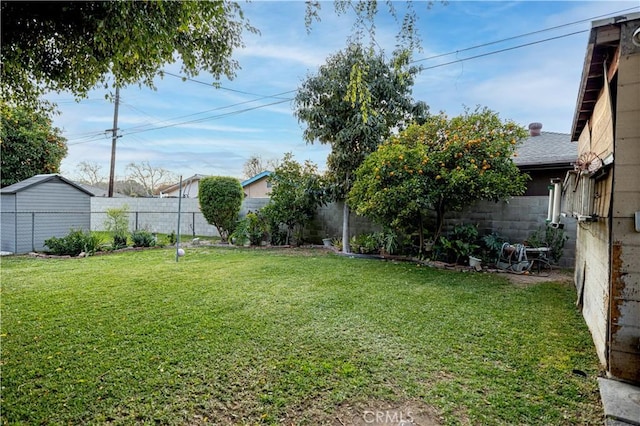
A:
(337, 117)
(250, 229)
(493, 243)
(458, 244)
(76, 45)
(296, 192)
(74, 243)
(548, 236)
(443, 165)
(142, 238)
(220, 202)
(117, 223)
(355, 117)
(29, 144)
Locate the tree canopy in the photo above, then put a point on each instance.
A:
(442, 165)
(76, 45)
(354, 127)
(29, 144)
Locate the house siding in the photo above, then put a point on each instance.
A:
(258, 189)
(624, 326)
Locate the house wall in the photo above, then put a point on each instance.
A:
(189, 190)
(592, 267)
(624, 327)
(49, 209)
(258, 189)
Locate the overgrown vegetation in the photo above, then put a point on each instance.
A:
(244, 337)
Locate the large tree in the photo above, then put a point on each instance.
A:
(443, 165)
(29, 144)
(151, 178)
(75, 45)
(354, 124)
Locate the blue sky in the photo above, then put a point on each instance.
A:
(189, 127)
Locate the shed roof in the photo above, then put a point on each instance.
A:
(547, 149)
(256, 178)
(39, 179)
(604, 40)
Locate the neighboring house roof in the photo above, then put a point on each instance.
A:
(547, 149)
(185, 182)
(604, 40)
(256, 178)
(99, 192)
(38, 179)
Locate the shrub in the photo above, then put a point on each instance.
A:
(117, 222)
(252, 228)
(142, 238)
(458, 244)
(172, 238)
(547, 236)
(220, 201)
(493, 246)
(74, 243)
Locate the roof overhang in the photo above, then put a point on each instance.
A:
(602, 49)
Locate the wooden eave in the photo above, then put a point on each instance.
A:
(602, 48)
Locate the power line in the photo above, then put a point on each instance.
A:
(522, 35)
(226, 88)
(141, 128)
(503, 50)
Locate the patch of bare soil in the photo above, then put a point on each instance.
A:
(408, 413)
(556, 276)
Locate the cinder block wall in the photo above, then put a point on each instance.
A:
(161, 214)
(515, 220)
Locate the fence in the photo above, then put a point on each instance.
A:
(161, 214)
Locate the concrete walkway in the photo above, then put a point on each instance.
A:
(621, 402)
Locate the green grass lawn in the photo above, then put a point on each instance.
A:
(243, 336)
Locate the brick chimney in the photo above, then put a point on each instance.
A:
(534, 129)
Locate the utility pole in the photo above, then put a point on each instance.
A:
(114, 138)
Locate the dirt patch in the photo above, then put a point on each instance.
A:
(556, 276)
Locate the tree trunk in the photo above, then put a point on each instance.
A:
(345, 228)
(439, 219)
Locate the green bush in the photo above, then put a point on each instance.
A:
(458, 244)
(117, 222)
(172, 238)
(553, 238)
(220, 201)
(142, 238)
(252, 228)
(74, 243)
